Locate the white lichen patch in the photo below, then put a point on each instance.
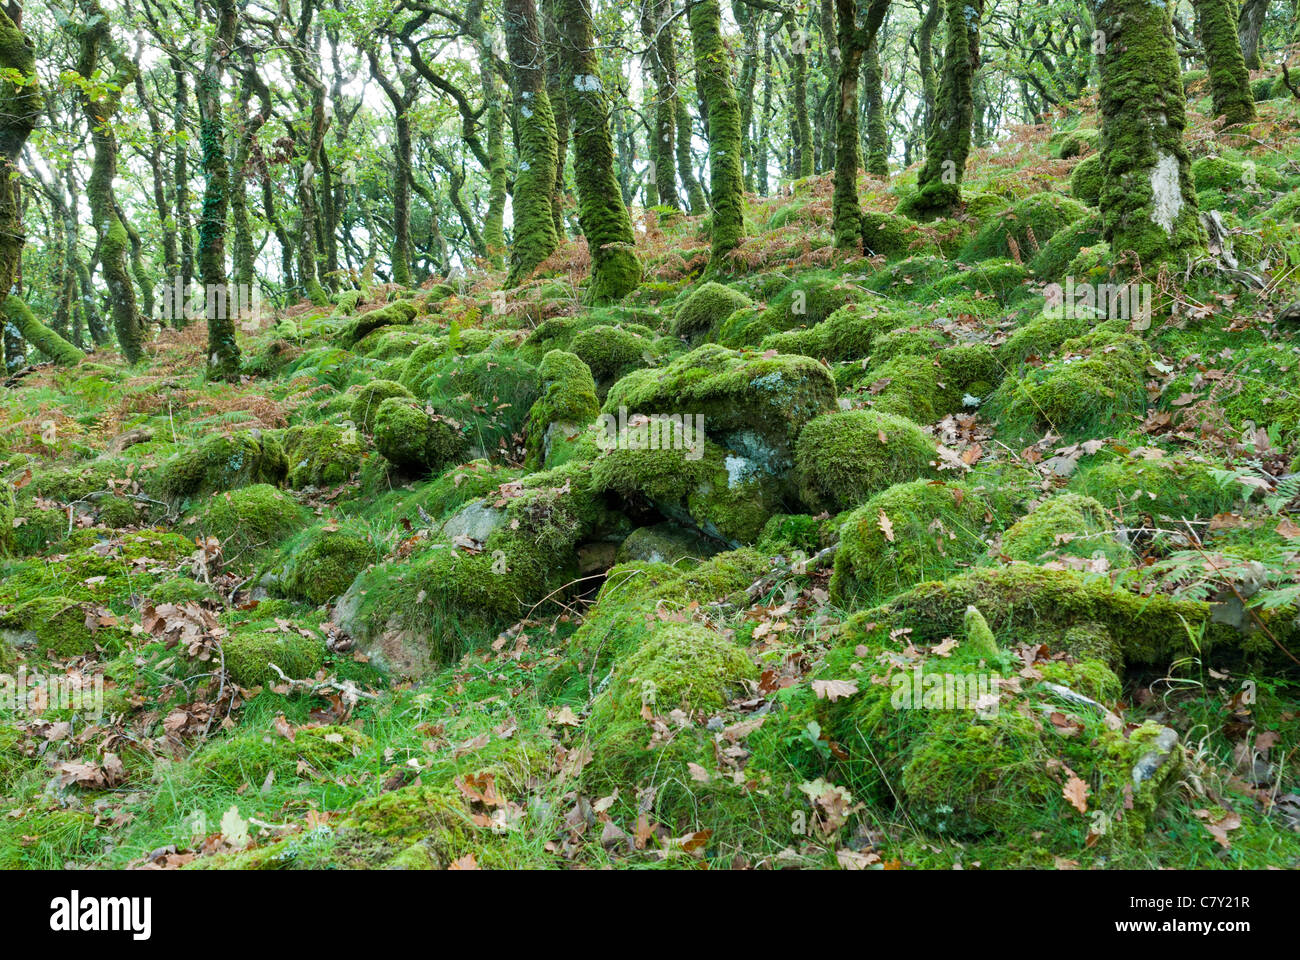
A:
(1166, 192)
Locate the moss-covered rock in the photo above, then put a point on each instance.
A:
(1054, 259)
(252, 755)
(847, 334)
(56, 627)
(324, 564)
(250, 518)
(844, 458)
(1076, 142)
(223, 463)
(565, 408)
(1096, 382)
(704, 310)
(754, 406)
(321, 455)
(250, 650)
(665, 543)
(1066, 524)
(1021, 231)
(911, 532)
(398, 312)
(366, 400)
(927, 387)
(1085, 180)
(412, 438)
(612, 352)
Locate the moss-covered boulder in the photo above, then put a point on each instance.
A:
(250, 756)
(1067, 524)
(366, 400)
(1021, 231)
(705, 308)
(612, 352)
(844, 458)
(1054, 259)
(412, 438)
(909, 533)
(567, 405)
(324, 563)
(398, 312)
(753, 405)
(223, 463)
(250, 650)
(250, 518)
(924, 387)
(1095, 383)
(321, 455)
(1085, 180)
(847, 334)
(55, 627)
(665, 543)
(1073, 143)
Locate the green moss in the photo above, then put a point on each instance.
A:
(991, 278)
(223, 463)
(1171, 488)
(324, 565)
(253, 754)
(321, 455)
(412, 438)
(1025, 228)
(117, 512)
(1042, 335)
(1085, 180)
(928, 528)
(249, 651)
(664, 543)
(1076, 142)
(368, 397)
(398, 312)
(566, 406)
(807, 301)
(842, 460)
(752, 405)
(893, 237)
(250, 518)
(1094, 383)
(928, 387)
(847, 334)
(1066, 524)
(1054, 259)
(703, 311)
(54, 627)
(47, 839)
(612, 352)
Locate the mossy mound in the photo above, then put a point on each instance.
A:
(911, 532)
(366, 400)
(847, 334)
(1075, 142)
(1054, 259)
(321, 455)
(752, 405)
(1094, 383)
(251, 649)
(844, 458)
(893, 237)
(611, 353)
(1024, 229)
(252, 755)
(1066, 524)
(223, 463)
(1166, 488)
(703, 311)
(566, 406)
(924, 387)
(807, 301)
(250, 518)
(1085, 180)
(323, 564)
(55, 627)
(412, 438)
(398, 312)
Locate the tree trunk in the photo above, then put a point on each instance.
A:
(616, 271)
(20, 107)
(555, 90)
(877, 162)
(654, 28)
(948, 144)
(1147, 202)
(713, 78)
(1229, 80)
(535, 238)
(181, 176)
(401, 101)
(113, 240)
(219, 305)
(846, 214)
(1250, 21)
(305, 73)
(36, 333)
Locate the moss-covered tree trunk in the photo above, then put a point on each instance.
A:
(750, 21)
(219, 306)
(243, 251)
(654, 27)
(763, 144)
(94, 37)
(301, 57)
(616, 271)
(157, 168)
(925, 63)
(556, 89)
(20, 107)
(948, 143)
(494, 115)
(726, 180)
(181, 180)
(801, 132)
(846, 214)
(1216, 22)
(535, 238)
(696, 201)
(1147, 202)
(877, 160)
(38, 334)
